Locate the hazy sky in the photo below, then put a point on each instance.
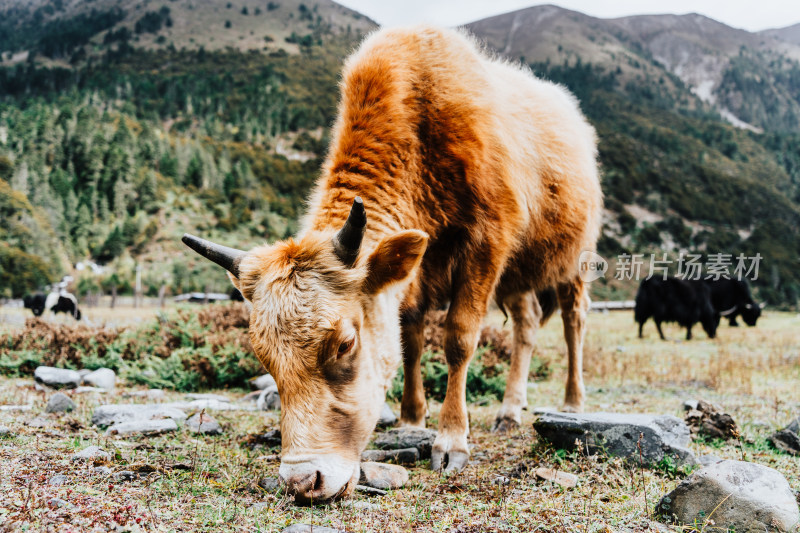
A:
(752, 15)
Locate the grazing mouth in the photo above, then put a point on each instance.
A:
(344, 493)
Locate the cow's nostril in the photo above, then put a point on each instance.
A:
(318, 481)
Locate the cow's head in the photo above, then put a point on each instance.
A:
(750, 313)
(325, 324)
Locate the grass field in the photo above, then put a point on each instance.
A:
(209, 484)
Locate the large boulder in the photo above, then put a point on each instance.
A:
(736, 496)
(105, 415)
(618, 434)
(401, 438)
(57, 377)
(104, 378)
(265, 381)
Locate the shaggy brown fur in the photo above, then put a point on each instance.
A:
(496, 172)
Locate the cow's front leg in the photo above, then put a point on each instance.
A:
(526, 314)
(413, 408)
(462, 328)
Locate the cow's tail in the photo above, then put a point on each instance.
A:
(548, 301)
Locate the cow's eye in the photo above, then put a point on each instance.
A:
(345, 347)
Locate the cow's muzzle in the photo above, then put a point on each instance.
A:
(319, 478)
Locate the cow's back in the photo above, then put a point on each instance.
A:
(435, 135)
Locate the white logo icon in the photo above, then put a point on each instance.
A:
(591, 266)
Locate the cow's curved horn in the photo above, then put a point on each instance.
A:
(227, 258)
(347, 240)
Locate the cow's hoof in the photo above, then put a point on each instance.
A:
(572, 408)
(504, 425)
(455, 461)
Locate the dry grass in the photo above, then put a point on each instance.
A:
(751, 373)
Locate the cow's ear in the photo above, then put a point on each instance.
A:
(394, 259)
(246, 294)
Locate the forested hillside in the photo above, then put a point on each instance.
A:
(123, 124)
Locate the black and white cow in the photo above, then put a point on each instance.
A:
(676, 300)
(57, 302)
(731, 298)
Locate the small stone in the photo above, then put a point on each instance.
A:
(708, 420)
(104, 378)
(383, 476)
(5, 431)
(262, 382)
(260, 506)
(305, 528)
(59, 403)
(40, 422)
(147, 428)
(150, 394)
(733, 496)
(102, 470)
(203, 424)
(94, 453)
(252, 396)
(269, 484)
(400, 438)
(370, 491)
(105, 415)
(12, 408)
(565, 479)
(387, 417)
(500, 480)
(57, 377)
(84, 390)
(55, 503)
(362, 505)
(406, 456)
(125, 475)
(207, 396)
(788, 439)
(58, 480)
(269, 400)
(84, 372)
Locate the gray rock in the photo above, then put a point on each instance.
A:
(405, 456)
(206, 396)
(260, 506)
(59, 403)
(305, 528)
(104, 378)
(742, 497)
(400, 438)
(150, 394)
(788, 439)
(125, 475)
(252, 396)
(84, 371)
(5, 431)
(57, 377)
(39, 422)
(58, 480)
(706, 460)
(94, 453)
(263, 382)
(16, 407)
(370, 491)
(269, 484)
(269, 400)
(84, 390)
(361, 505)
(142, 427)
(102, 470)
(618, 434)
(204, 424)
(383, 476)
(387, 418)
(105, 415)
(209, 404)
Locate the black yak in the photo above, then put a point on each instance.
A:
(676, 300)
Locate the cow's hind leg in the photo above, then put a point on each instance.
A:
(526, 314)
(641, 325)
(574, 301)
(660, 333)
(413, 407)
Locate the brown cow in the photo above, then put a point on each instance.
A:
(478, 181)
